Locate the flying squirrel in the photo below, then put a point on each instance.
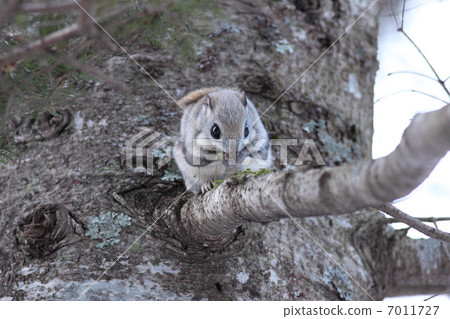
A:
(220, 134)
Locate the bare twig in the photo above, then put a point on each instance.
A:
(394, 14)
(438, 294)
(415, 73)
(435, 224)
(422, 219)
(401, 29)
(41, 44)
(414, 223)
(84, 24)
(413, 91)
(440, 81)
(403, 14)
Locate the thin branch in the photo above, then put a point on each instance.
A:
(403, 14)
(435, 224)
(322, 191)
(394, 14)
(41, 44)
(426, 60)
(414, 223)
(84, 23)
(438, 294)
(401, 29)
(422, 219)
(413, 91)
(415, 73)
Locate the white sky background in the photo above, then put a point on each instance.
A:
(427, 22)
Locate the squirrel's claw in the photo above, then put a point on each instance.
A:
(207, 186)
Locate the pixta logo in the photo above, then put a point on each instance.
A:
(139, 150)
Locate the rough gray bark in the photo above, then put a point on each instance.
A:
(52, 193)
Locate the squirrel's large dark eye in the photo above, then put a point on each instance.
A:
(246, 130)
(215, 131)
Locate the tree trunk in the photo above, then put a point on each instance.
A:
(52, 194)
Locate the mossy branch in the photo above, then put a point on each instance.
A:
(323, 191)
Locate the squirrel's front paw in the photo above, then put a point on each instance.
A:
(207, 186)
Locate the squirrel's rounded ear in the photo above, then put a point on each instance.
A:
(243, 98)
(209, 101)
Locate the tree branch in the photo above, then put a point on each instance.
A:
(440, 81)
(41, 44)
(323, 191)
(422, 219)
(84, 23)
(438, 294)
(414, 223)
(402, 30)
(414, 73)
(412, 91)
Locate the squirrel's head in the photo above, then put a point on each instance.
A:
(226, 120)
